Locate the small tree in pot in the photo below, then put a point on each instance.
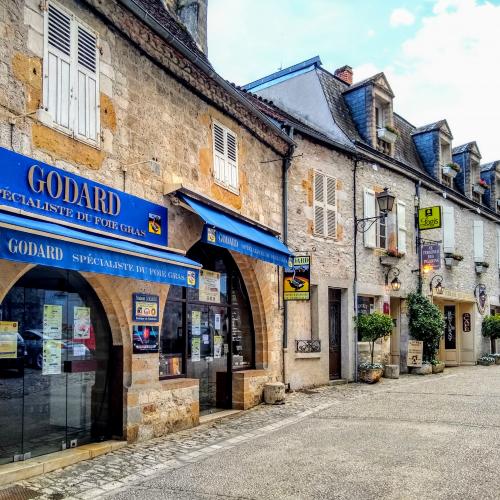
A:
(372, 327)
(491, 328)
(426, 324)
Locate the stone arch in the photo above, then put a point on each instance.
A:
(10, 274)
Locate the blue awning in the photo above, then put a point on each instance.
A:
(228, 231)
(37, 242)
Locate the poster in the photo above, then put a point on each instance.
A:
(217, 322)
(144, 339)
(297, 278)
(196, 323)
(51, 364)
(81, 322)
(145, 307)
(217, 346)
(79, 350)
(209, 286)
(8, 339)
(415, 349)
(206, 339)
(52, 321)
(195, 348)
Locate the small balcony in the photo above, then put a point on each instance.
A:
(480, 187)
(308, 346)
(387, 134)
(450, 170)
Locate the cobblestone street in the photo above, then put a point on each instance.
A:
(398, 439)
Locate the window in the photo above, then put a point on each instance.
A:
(225, 157)
(325, 205)
(71, 74)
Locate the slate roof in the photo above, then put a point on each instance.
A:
(157, 10)
(492, 165)
(405, 150)
(430, 127)
(372, 79)
(464, 148)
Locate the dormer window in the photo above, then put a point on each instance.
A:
(385, 133)
(448, 168)
(479, 186)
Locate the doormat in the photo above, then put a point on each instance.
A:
(18, 493)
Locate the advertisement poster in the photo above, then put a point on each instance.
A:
(297, 278)
(145, 307)
(415, 349)
(217, 346)
(51, 364)
(81, 322)
(431, 257)
(209, 286)
(8, 339)
(144, 339)
(217, 322)
(195, 348)
(196, 323)
(52, 321)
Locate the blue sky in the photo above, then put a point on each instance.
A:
(439, 55)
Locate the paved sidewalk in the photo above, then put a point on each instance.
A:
(137, 465)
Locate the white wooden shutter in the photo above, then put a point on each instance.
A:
(232, 160)
(331, 207)
(370, 236)
(57, 64)
(219, 152)
(401, 226)
(448, 230)
(478, 241)
(87, 84)
(225, 156)
(498, 247)
(319, 204)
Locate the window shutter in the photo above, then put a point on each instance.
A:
(331, 207)
(448, 230)
(401, 225)
(370, 236)
(57, 66)
(319, 204)
(219, 152)
(87, 84)
(478, 241)
(232, 159)
(225, 156)
(498, 247)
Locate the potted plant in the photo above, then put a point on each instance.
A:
(481, 267)
(388, 134)
(426, 324)
(491, 328)
(481, 186)
(452, 259)
(496, 355)
(372, 327)
(451, 169)
(486, 360)
(391, 256)
(437, 366)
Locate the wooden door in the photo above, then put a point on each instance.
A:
(450, 334)
(334, 328)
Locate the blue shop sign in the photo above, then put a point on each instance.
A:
(32, 187)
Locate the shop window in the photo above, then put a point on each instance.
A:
(225, 145)
(71, 74)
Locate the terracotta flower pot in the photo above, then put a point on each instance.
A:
(370, 375)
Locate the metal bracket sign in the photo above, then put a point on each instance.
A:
(431, 256)
(429, 218)
(297, 278)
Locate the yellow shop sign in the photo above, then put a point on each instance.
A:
(429, 218)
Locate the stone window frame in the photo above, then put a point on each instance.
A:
(74, 70)
(383, 102)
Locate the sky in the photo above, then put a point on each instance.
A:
(441, 57)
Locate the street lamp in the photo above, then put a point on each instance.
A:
(385, 200)
(395, 283)
(439, 284)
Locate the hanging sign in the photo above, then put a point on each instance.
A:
(429, 218)
(8, 339)
(145, 307)
(297, 278)
(209, 286)
(431, 256)
(28, 185)
(144, 339)
(466, 323)
(415, 350)
(81, 322)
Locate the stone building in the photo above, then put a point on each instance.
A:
(129, 164)
(421, 168)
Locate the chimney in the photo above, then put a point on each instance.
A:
(193, 14)
(345, 74)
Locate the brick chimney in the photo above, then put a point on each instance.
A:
(345, 74)
(193, 14)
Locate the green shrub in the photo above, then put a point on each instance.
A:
(491, 326)
(425, 323)
(372, 327)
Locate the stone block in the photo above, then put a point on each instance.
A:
(274, 393)
(423, 370)
(18, 471)
(64, 458)
(391, 371)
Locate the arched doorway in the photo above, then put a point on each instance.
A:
(208, 333)
(55, 382)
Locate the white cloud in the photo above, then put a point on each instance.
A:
(447, 70)
(370, 33)
(401, 17)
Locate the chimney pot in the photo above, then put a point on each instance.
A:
(345, 74)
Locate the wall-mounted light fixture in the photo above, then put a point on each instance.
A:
(395, 283)
(438, 286)
(385, 200)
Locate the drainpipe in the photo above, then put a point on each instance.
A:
(287, 160)
(355, 268)
(419, 241)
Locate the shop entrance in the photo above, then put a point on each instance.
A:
(450, 334)
(55, 389)
(335, 332)
(207, 333)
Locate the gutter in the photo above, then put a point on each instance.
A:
(169, 37)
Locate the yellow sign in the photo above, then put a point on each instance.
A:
(429, 218)
(8, 339)
(297, 278)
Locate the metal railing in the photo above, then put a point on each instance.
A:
(305, 346)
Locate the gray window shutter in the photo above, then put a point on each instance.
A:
(319, 204)
(370, 236)
(448, 230)
(478, 241)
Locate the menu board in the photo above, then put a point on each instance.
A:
(51, 364)
(52, 321)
